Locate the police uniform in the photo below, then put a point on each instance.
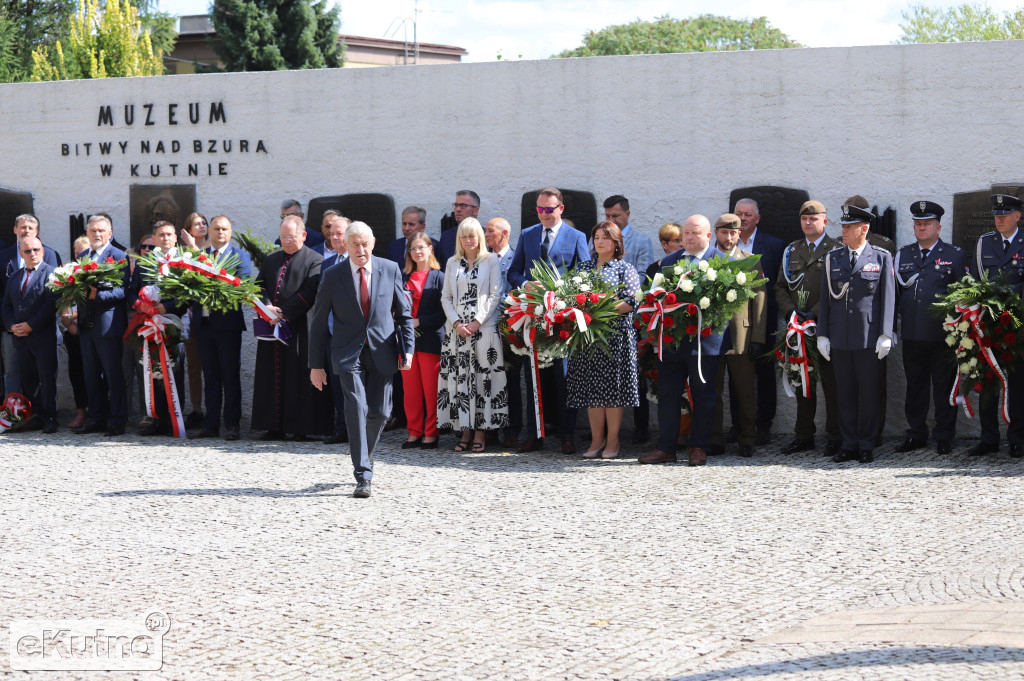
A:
(995, 255)
(802, 269)
(856, 309)
(923, 276)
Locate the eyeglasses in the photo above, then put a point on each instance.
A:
(26, 251)
(410, 224)
(417, 249)
(290, 215)
(145, 247)
(463, 206)
(547, 209)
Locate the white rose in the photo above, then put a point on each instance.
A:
(950, 341)
(560, 305)
(964, 368)
(712, 275)
(559, 282)
(685, 285)
(640, 298)
(973, 362)
(584, 287)
(741, 278)
(658, 279)
(967, 343)
(704, 303)
(730, 295)
(703, 265)
(677, 269)
(963, 326)
(577, 280)
(949, 320)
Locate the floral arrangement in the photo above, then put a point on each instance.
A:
(257, 247)
(695, 299)
(797, 353)
(561, 315)
(190, 276)
(73, 280)
(15, 412)
(982, 317)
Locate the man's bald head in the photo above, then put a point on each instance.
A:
(696, 234)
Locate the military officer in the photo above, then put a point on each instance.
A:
(924, 271)
(855, 330)
(801, 270)
(1002, 252)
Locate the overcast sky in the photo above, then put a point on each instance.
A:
(536, 29)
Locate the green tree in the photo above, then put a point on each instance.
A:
(960, 24)
(99, 46)
(269, 35)
(25, 25)
(704, 33)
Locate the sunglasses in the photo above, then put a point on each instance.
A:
(26, 251)
(146, 247)
(546, 209)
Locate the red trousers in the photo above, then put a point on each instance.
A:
(420, 383)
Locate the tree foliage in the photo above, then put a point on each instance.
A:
(25, 25)
(100, 45)
(704, 33)
(270, 35)
(959, 24)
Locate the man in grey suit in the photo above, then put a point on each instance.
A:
(373, 338)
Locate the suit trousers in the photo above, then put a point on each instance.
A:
(12, 371)
(807, 407)
(73, 346)
(767, 389)
(513, 375)
(743, 402)
(337, 395)
(988, 411)
(193, 366)
(220, 357)
(38, 366)
(858, 385)
(367, 408)
(930, 368)
(420, 389)
(674, 368)
(566, 415)
(104, 380)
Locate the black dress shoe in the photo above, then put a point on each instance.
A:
(983, 448)
(300, 437)
(910, 444)
(154, 428)
(336, 439)
(715, 450)
(944, 446)
(866, 456)
(50, 427)
(114, 431)
(272, 435)
(362, 490)
(412, 444)
(641, 435)
(746, 451)
(90, 427)
(194, 420)
(832, 447)
(798, 446)
(428, 445)
(203, 433)
(532, 444)
(231, 433)
(1016, 451)
(846, 455)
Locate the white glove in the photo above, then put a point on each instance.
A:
(882, 346)
(824, 347)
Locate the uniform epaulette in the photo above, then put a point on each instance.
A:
(879, 248)
(954, 246)
(987, 234)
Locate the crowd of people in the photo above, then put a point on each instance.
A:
(343, 322)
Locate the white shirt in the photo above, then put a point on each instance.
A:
(554, 232)
(99, 253)
(697, 256)
(748, 245)
(858, 251)
(502, 252)
(1010, 240)
(356, 277)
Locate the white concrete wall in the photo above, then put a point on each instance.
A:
(674, 133)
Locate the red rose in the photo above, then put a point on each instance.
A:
(559, 317)
(587, 318)
(985, 342)
(670, 299)
(981, 325)
(1000, 330)
(1005, 318)
(1010, 338)
(691, 309)
(649, 298)
(595, 299)
(581, 298)
(121, 261)
(71, 280)
(564, 335)
(654, 374)
(978, 387)
(705, 332)
(990, 375)
(691, 329)
(1007, 356)
(668, 322)
(513, 339)
(202, 257)
(110, 260)
(224, 272)
(646, 317)
(637, 324)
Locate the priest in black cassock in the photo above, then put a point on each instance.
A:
(283, 400)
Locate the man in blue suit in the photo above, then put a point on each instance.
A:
(414, 219)
(10, 262)
(219, 336)
(563, 247)
(324, 248)
(770, 249)
(30, 313)
(467, 205)
(373, 338)
(338, 255)
(680, 364)
(101, 322)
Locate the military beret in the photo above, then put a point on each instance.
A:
(926, 210)
(853, 215)
(857, 200)
(728, 220)
(1004, 203)
(812, 208)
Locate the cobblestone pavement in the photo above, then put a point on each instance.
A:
(507, 566)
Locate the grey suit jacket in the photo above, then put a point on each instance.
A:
(388, 332)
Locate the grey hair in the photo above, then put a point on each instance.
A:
(290, 203)
(97, 218)
(358, 228)
(27, 217)
(752, 202)
(420, 211)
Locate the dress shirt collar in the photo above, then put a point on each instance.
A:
(748, 245)
(814, 244)
(697, 256)
(1012, 236)
(355, 268)
(858, 251)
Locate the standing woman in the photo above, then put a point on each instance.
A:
(424, 281)
(195, 234)
(472, 396)
(606, 383)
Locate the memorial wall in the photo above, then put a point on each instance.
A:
(677, 134)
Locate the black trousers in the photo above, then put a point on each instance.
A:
(988, 411)
(930, 367)
(858, 386)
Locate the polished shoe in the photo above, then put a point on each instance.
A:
(114, 431)
(866, 456)
(910, 444)
(1016, 451)
(983, 448)
(594, 453)
(393, 423)
(428, 445)
(944, 446)
(90, 427)
(272, 435)
(362, 490)
(194, 420)
(641, 435)
(798, 446)
(412, 444)
(715, 450)
(832, 447)
(50, 427)
(568, 445)
(231, 433)
(532, 444)
(746, 451)
(337, 438)
(657, 456)
(203, 433)
(764, 436)
(846, 455)
(698, 457)
(154, 428)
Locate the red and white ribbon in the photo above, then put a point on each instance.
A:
(972, 315)
(153, 330)
(795, 352)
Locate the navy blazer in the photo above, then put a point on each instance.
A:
(989, 257)
(920, 284)
(9, 262)
(568, 251)
(866, 309)
(712, 345)
(106, 316)
(233, 321)
(446, 246)
(430, 313)
(38, 306)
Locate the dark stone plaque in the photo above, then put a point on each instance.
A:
(150, 203)
(376, 210)
(12, 204)
(972, 217)
(779, 208)
(580, 210)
